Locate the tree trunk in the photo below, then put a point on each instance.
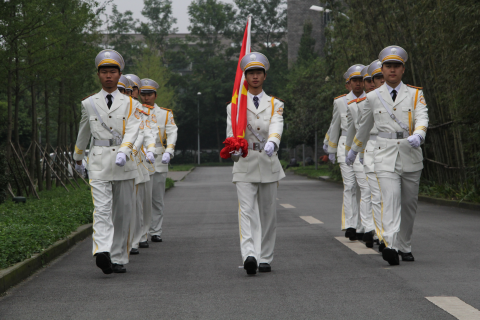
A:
(59, 123)
(17, 98)
(48, 176)
(9, 113)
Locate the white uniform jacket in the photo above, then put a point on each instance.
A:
(124, 117)
(165, 132)
(368, 155)
(353, 115)
(267, 121)
(145, 142)
(410, 107)
(336, 140)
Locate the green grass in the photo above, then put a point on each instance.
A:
(447, 191)
(28, 228)
(309, 171)
(180, 167)
(169, 183)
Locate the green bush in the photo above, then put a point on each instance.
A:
(169, 184)
(4, 176)
(28, 228)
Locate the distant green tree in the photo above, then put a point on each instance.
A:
(306, 51)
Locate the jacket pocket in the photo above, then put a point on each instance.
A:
(381, 115)
(344, 120)
(94, 124)
(275, 163)
(416, 154)
(242, 165)
(131, 164)
(95, 159)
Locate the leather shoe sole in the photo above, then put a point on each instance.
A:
(143, 244)
(156, 239)
(119, 268)
(264, 267)
(368, 239)
(134, 251)
(250, 265)
(104, 263)
(391, 256)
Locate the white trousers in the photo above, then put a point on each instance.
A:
(377, 211)
(158, 193)
(400, 197)
(138, 217)
(114, 203)
(349, 206)
(365, 202)
(147, 210)
(257, 219)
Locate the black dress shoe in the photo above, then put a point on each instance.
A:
(359, 235)
(119, 268)
(406, 256)
(352, 234)
(381, 247)
(103, 262)
(250, 265)
(368, 239)
(264, 267)
(391, 256)
(134, 251)
(156, 239)
(143, 244)
(376, 241)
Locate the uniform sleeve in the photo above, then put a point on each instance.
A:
(275, 129)
(229, 121)
(334, 130)
(172, 132)
(141, 136)
(327, 136)
(421, 116)
(149, 138)
(350, 131)
(131, 129)
(366, 124)
(83, 136)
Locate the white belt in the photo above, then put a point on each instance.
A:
(158, 145)
(104, 143)
(393, 135)
(344, 132)
(373, 137)
(258, 146)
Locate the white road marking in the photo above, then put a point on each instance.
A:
(287, 206)
(278, 199)
(311, 220)
(355, 246)
(456, 307)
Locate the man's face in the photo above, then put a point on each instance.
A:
(368, 85)
(128, 93)
(378, 81)
(122, 91)
(148, 98)
(357, 86)
(255, 78)
(135, 92)
(393, 72)
(109, 77)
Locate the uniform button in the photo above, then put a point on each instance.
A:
(379, 148)
(379, 111)
(409, 109)
(110, 116)
(258, 128)
(110, 128)
(394, 109)
(113, 149)
(398, 142)
(258, 117)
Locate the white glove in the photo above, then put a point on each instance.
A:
(351, 157)
(150, 157)
(269, 148)
(166, 158)
(236, 155)
(325, 148)
(361, 160)
(415, 140)
(80, 169)
(121, 159)
(331, 157)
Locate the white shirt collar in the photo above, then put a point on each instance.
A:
(105, 94)
(390, 89)
(355, 97)
(260, 95)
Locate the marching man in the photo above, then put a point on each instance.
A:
(399, 112)
(109, 117)
(256, 173)
(164, 130)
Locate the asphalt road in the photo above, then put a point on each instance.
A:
(195, 274)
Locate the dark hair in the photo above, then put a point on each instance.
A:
(255, 69)
(149, 91)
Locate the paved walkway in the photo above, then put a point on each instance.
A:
(195, 274)
(177, 175)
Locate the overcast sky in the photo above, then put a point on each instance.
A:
(180, 8)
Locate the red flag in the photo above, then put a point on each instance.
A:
(239, 103)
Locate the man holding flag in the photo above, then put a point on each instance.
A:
(254, 130)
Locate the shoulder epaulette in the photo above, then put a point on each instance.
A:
(361, 99)
(352, 101)
(143, 112)
(88, 96)
(420, 88)
(343, 95)
(166, 109)
(279, 99)
(147, 106)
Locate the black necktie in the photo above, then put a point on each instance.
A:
(394, 95)
(255, 101)
(109, 98)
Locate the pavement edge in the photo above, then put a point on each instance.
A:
(15, 274)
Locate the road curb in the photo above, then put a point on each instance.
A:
(437, 201)
(15, 274)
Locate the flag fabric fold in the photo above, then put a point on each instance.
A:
(239, 103)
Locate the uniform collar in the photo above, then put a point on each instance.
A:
(114, 93)
(260, 95)
(390, 89)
